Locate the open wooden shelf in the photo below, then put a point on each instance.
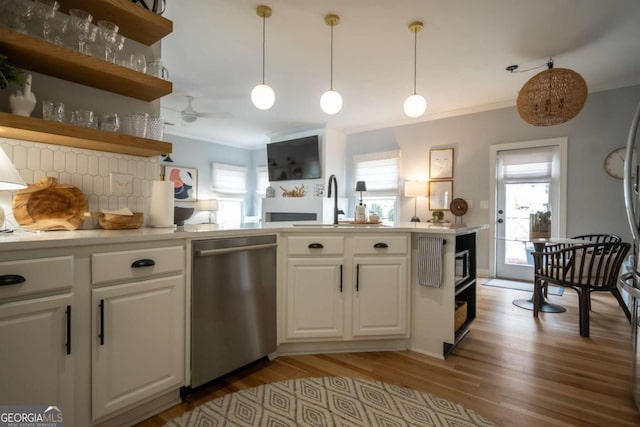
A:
(135, 22)
(49, 132)
(40, 56)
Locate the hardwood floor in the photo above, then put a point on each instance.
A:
(511, 368)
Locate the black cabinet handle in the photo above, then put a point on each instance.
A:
(101, 335)
(380, 245)
(143, 263)
(11, 279)
(357, 277)
(340, 278)
(68, 343)
(316, 246)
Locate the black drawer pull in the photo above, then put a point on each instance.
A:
(101, 333)
(68, 343)
(357, 277)
(380, 245)
(340, 278)
(316, 246)
(143, 263)
(11, 279)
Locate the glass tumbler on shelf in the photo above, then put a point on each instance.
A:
(17, 14)
(45, 12)
(81, 24)
(58, 28)
(107, 32)
(53, 110)
(84, 118)
(155, 128)
(138, 62)
(135, 124)
(116, 48)
(109, 122)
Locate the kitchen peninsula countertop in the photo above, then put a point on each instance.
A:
(20, 239)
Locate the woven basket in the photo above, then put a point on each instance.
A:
(461, 314)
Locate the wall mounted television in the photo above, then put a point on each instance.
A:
(294, 159)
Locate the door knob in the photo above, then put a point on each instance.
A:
(500, 211)
(500, 221)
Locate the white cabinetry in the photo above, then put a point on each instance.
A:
(340, 287)
(137, 337)
(36, 365)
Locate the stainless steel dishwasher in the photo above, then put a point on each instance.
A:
(233, 304)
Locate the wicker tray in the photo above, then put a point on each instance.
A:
(461, 314)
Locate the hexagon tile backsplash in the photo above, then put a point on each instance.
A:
(86, 169)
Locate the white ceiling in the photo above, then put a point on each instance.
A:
(214, 54)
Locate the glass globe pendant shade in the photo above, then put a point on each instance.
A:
(331, 102)
(415, 105)
(263, 97)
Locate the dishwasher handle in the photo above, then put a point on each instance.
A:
(222, 251)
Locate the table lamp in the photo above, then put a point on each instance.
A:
(361, 186)
(208, 206)
(415, 189)
(10, 179)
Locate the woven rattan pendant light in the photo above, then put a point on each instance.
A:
(552, 97)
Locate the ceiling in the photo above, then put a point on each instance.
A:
(215, 55)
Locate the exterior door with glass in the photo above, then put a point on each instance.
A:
(528, 195)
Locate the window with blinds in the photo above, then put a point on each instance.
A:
(379, 170)
(529, 165)
(262, 180)
(229, 179)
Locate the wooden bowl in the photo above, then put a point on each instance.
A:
(120, 222)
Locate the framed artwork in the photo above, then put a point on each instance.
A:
(440, 195)
(185, 182)
(441, 163)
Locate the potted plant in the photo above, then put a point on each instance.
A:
(437, 216)
(540, 225)
(10, 74)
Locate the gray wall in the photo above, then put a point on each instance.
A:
(201, 154)
(595, 200)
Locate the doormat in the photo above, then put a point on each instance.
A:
(521, 286)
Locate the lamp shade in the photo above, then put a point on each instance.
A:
(552, 97)
(331, 102)
(10, 178)
(208, 205)
(263, 97)
(415, 106)
(416, 188)
(361, 186)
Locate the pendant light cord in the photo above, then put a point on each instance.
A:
(415, 60)
(264, 19)
(331, 80)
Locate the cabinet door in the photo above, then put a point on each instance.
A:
(315, 298)
(35, 368)
(138, 342)
(379, 296)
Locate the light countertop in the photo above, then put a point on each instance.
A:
(19, 239)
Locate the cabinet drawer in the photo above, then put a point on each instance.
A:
(40, 275)
(142, 263)
(326, 245)
(380, 244)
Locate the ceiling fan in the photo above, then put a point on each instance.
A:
(190, 115)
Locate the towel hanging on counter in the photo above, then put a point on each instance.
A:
(430, 261)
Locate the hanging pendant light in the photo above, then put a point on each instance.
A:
(552, 97)
(415, 105)
(331, 100)
(262, 96)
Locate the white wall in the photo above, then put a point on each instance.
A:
(595, 200)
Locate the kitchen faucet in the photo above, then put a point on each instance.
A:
(333, 179)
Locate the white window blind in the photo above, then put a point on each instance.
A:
(528, 165)
(379, 170)
(229, 179)
(262, 180)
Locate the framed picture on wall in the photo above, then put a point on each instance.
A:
(441, 163)
(440, 195)
(185, 182)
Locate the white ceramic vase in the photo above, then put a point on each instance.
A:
(23, 102)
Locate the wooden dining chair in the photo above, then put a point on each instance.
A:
(586, 268)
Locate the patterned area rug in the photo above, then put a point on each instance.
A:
(329, 401)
